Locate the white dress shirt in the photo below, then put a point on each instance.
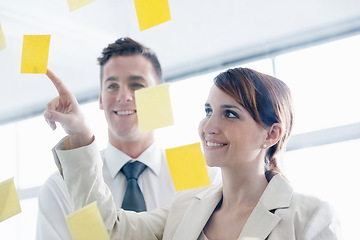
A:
(155, 183)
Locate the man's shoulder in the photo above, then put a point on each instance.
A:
(54, 185)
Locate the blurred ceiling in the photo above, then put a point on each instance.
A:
(202, 35)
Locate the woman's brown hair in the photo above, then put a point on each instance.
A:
(267, 99)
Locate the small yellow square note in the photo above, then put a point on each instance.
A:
(153, 107)
(35, 53)
(187, 167)
(152, 12)
(76, 4)
(9, 200)
(87, 224)
(2, 39)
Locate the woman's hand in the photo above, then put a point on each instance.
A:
(65, 110)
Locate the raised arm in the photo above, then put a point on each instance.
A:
(65, 110)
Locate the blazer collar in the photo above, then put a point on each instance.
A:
(201, 208)
(261, 222)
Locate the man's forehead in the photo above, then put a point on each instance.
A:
(134, 67)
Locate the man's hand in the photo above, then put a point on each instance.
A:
(65, 109)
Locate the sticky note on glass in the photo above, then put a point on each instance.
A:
(9, 200)
(2, 39)
(76, 4)
(87, 224)
(35, 53)
(153, 107)
(187, 167)
(152, 12)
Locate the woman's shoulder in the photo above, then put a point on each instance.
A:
(310, 204)
(199, 193)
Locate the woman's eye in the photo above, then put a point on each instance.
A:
(208, 112)
(231, 114)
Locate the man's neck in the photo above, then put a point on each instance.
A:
(133, 147)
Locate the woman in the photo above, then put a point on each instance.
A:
(249, 117)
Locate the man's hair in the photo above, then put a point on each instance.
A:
(128, 47)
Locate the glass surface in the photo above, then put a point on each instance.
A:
(325, 82)
(188, 98)
(34, 144)
(330, 172)
(23, 225)
(8, 153)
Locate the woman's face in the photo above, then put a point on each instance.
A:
(229, 135)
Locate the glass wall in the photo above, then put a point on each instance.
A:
(325, 82)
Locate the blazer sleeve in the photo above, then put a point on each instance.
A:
(323, 224)
(82, 173)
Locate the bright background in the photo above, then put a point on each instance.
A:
(324, 80)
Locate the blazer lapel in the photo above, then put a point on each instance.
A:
(200, 209)
(262, 221)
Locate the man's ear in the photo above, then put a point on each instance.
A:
(100, 101)
(274, 134)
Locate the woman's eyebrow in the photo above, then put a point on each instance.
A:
(227, 106)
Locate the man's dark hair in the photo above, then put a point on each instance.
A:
(128, 47)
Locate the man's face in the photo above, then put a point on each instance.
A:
(122, 75)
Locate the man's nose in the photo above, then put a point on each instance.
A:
(125, 95)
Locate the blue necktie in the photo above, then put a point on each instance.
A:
(133, 198)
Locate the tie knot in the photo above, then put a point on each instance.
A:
(133, 169)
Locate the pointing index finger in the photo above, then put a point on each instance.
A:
(60, 86)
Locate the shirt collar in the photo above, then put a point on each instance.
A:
(116, 159)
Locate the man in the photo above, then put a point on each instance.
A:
(125, 67)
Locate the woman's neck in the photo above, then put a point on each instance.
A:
(242, 187)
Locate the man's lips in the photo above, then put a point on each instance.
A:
(125, 112)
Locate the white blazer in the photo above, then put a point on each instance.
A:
(279, 214)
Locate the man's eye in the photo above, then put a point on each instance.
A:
(231, 114)
(137, 85)
(112, 86)
(208, 112)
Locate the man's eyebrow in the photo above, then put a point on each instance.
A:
(136, 77)
(113, 79)
(207, 105)
(231, 106)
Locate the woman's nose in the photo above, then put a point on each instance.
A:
(210, 125)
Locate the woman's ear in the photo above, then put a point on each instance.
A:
(274, 134)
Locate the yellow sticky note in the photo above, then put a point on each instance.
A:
(152, 12)
(87, 224)
(153, 107)
(76, 4)
(9, 200)
(35, 53)
(2, 39)
(187, 167)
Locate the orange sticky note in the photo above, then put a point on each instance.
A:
(76, 4)
(187, 167)
(153, 107)
(2, 39)
(35, 53)
(87, 224)
(9, 200)
(152, 12)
